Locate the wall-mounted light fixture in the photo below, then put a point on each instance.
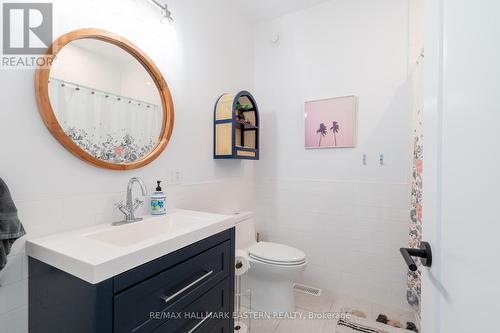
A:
(164, 9)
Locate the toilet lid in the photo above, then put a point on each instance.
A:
(276, 253)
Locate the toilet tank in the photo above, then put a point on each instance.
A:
(245, 230)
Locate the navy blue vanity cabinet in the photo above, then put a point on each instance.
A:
(189, 290)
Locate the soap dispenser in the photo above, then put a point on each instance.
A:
(158, 201)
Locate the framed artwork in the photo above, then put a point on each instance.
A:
(331, 123)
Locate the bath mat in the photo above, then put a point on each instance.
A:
(382, 318)
(354, 312)
(345, 326)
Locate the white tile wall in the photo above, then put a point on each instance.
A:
(351, 233)
(15, 321)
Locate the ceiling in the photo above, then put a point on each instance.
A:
(258, 10)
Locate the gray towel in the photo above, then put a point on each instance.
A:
(10, 226)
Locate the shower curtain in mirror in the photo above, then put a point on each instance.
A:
(109, 127)
(415, 234)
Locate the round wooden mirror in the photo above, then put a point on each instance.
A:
(104, 100)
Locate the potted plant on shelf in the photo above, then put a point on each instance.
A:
(240, 112)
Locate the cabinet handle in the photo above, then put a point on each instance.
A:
(201, 323)
(189, 286)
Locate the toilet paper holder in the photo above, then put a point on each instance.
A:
(424, 253)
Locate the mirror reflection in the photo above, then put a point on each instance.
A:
(105, 101)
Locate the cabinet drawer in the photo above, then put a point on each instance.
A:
(208, 314)
(170, 290)
(138, 274)
(222, 327)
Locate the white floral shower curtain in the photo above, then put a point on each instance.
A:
(109, 127)
(415, 234)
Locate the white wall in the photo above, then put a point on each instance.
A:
(199, 56)
(349, 218)
(107, 67)
(83, 66)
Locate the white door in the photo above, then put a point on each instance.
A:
(461, 292)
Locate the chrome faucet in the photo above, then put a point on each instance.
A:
(131, 206)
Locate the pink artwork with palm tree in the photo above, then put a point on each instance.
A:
(330, 123)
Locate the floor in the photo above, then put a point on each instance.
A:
(339, 305)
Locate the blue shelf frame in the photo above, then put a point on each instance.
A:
(235, 123)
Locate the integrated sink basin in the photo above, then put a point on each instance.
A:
(100, 252)
(137, 232)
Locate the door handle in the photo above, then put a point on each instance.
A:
(424, 253)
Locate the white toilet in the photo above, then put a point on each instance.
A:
(273, 268)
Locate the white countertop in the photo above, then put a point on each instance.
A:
(100, 252)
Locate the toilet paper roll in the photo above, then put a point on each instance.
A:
(240, 327)
(241, 264)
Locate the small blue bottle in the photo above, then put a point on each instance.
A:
(158, 201)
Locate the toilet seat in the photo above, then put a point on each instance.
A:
(276, 254)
